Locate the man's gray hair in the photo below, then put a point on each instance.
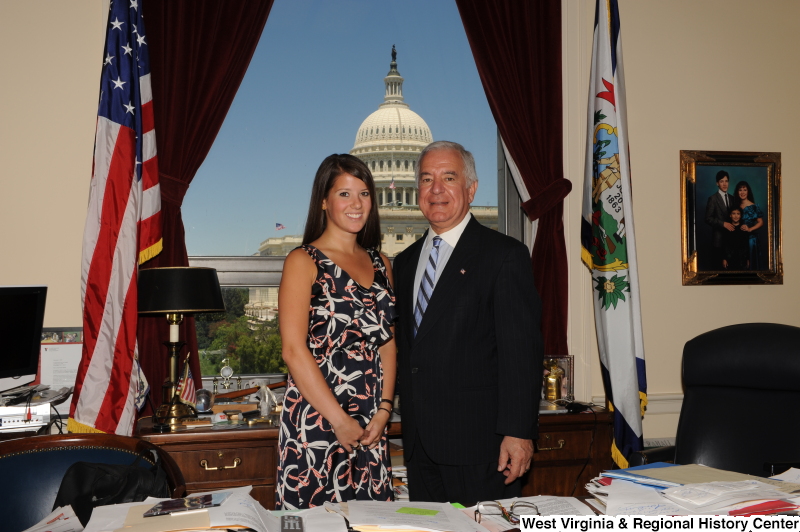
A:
(470, 174)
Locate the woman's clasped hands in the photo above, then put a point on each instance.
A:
(352, 436)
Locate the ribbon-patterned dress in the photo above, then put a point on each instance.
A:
(347, 325)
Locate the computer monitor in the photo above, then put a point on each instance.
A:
(21, 320)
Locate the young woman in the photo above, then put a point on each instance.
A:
(752, 220)
(336, 321)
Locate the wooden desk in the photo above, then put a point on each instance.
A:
(557, 466)
(234, 457)
(584, 453)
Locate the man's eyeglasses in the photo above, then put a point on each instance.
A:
(511, 515)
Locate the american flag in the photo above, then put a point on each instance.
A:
(280, 226)
(392, 185)
(186, 389)
(123, 229)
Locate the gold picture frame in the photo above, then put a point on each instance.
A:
(720, 246)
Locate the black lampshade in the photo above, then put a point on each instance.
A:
(179, 290)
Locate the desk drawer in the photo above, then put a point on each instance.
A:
(562, 445)
(255, 465)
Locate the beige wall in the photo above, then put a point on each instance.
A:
(50, 58)
(701, 74)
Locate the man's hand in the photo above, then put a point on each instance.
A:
(728, 226)
(515, 457)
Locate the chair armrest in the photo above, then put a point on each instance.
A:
(649, 456)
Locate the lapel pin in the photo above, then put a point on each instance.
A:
(463, 271)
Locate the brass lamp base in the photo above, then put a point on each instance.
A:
(169, 415)
(172, 410)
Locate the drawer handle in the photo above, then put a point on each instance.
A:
(236, 462)
(560, 446)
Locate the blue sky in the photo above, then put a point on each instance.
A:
(316, 75)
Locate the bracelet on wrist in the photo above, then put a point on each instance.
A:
(385, 410)
(387, 401)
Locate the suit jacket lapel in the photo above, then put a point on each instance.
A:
(451, 279)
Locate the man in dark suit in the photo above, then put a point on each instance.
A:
(718, 209)
(469, 344)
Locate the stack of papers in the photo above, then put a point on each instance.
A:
(716, 495)
(667, 489)
(400, 483)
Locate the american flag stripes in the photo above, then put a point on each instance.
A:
(279, 226)
(123, 229)
(186, 389)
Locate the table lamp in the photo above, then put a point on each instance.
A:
(176, 292)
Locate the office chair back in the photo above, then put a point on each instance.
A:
(33, 467)
(741, 405)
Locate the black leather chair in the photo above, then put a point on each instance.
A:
(31, 470)
(741, 403)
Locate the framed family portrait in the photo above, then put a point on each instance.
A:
(731, 217)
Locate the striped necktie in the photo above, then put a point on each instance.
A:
(426, 285)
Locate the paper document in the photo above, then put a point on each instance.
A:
(791, 475)
(135, 521)
(629, 498)
(62, 519)
(434, 515)
(59, 364)
(320, 518)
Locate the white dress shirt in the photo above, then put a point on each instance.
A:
(725, 198)
(449, 240)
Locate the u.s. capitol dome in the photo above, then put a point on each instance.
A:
(389, 142)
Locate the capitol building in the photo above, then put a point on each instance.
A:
(389, 142)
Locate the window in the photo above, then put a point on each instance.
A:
(247, 333)
(259, 171)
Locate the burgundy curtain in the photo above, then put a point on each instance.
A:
(199, 53)
(517, 49)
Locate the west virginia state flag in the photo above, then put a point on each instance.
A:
(607, 237)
